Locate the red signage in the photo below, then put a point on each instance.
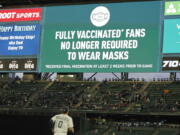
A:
(14, 15)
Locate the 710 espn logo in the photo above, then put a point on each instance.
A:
(171, 63)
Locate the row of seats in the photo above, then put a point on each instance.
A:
(101, 126)
(92, 95)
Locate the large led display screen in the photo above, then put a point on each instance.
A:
(119, 37)
(20, 38)
(171, 37)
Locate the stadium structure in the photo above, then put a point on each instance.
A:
(53, 43)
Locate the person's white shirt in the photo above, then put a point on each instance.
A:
(62, 123)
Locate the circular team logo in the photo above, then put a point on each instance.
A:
(100, 16)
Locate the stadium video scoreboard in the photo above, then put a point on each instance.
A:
(171, 37)
(19, 39)
(112, 37)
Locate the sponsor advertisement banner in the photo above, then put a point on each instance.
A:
(14, 15)
(24, 64)
(119, 37)
(18, 40)
(172, 8)
(171, 64)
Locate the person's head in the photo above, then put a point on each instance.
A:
(66, 110)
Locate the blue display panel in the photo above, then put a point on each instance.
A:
(19, 40)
